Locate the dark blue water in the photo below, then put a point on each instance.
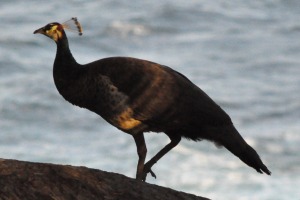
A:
(245, 55)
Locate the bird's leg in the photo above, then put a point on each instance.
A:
(147, 167)
(142, 151)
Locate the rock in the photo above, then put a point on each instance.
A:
(27, 180)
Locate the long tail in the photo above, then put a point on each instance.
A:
(234, 142)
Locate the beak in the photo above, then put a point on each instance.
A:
(40, 30)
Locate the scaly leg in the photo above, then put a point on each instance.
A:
(142, 152)
(147, 167)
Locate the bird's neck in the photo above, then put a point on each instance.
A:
(66, 71)
(64, 57)
(65, 66)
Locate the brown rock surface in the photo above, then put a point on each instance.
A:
(27, 180)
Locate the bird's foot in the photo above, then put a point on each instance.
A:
(147, 169)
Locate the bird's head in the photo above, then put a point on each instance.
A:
(55, 30)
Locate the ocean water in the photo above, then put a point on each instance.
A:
(244, 54)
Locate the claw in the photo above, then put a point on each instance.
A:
(146, 171)
(152, 173)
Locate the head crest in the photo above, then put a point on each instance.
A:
(73, 25)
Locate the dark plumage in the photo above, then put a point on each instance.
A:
(138, 96)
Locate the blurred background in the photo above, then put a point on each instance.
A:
(244, 54)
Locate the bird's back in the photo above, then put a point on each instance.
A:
(159, 98)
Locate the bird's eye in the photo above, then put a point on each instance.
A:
(48, 27)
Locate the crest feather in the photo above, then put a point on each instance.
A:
(73, 25)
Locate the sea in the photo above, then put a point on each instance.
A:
(244, 54)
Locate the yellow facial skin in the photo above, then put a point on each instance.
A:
(52, 31)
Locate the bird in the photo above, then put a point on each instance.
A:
(139, 96)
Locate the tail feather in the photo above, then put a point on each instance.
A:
(234, 142)
(251, 158)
